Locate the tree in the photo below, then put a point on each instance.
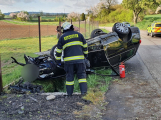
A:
(13, 15)
(109, 3)
(1, 15)
(82, 17)
(139, 5)
(41, 13)
(23, 16)
(73, 16)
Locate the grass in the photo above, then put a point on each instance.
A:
(104, 30)
(29, 23)
(7, 16)
(17, 48)
(89, 28)
(111, 24)
(148, 19)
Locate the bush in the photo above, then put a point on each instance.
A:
(116, 14)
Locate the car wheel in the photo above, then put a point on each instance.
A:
(151, 34)
(53, 53)
(121, 29)
(96, 33)
(147, 34)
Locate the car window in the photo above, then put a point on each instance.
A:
(158, 25)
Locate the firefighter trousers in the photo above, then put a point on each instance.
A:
(80, 70)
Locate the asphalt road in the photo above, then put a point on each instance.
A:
(138, 96)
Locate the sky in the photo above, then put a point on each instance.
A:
(50, 6)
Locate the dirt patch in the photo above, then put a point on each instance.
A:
(11, 31)
(22, 107)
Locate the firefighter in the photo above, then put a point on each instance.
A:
(75, 51)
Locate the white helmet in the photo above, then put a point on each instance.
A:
(66, 25)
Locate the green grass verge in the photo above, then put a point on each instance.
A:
(104, 30)
(111, 24)
(148, 19)
(93, 81)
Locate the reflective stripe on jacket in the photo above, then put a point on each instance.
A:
(74, 46)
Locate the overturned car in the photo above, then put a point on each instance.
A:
(104, 50)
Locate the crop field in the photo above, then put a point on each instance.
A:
(12, 31)
(47, 17)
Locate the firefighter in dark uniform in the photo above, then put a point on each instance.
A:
(74, 47)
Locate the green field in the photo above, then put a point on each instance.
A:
(7, 16)
(30, 23)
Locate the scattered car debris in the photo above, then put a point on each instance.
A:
(22, 88)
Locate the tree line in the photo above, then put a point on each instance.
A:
(110, 11)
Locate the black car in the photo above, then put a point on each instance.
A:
(105, 49)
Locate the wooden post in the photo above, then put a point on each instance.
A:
(39, 34)
(89, 27)
(79, 25)
(60, 26)
(29, 30)
(1, 84)
(71, 21)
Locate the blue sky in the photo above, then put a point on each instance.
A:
(51, 6)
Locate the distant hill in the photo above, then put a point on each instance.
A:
(37, 13)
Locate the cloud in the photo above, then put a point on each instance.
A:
(67, 6)
(11, 2)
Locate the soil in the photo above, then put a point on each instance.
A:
(36, 107)
(12, 31)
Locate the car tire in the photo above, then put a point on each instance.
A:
(121, 29)
(96, 33)
(53, 52)
(151, 34)
(147, 34)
